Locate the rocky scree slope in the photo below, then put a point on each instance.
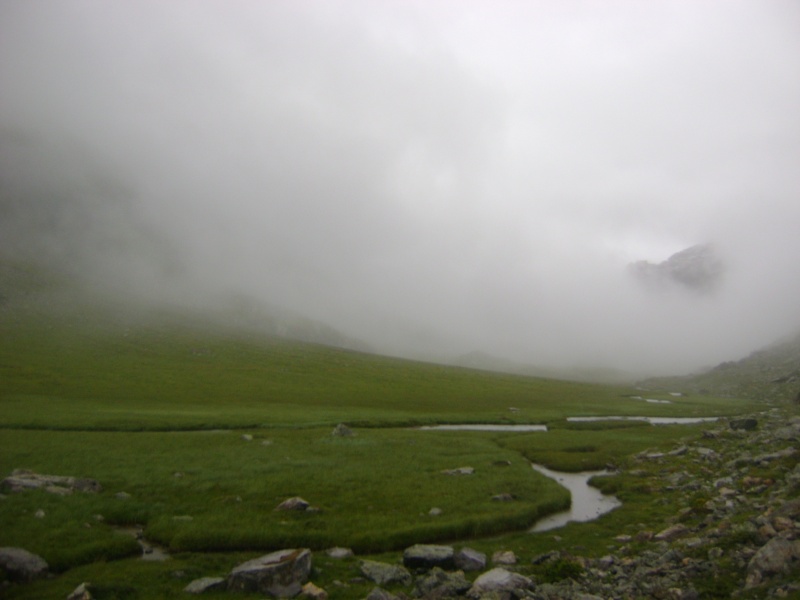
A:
(771, 374)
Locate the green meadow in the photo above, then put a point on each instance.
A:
(197, 433)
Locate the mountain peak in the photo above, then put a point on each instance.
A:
(697, 268)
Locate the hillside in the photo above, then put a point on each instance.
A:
(772, 374)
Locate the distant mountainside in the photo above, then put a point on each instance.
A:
(28, 290)
(697, 268)
(488, 362)
(771, 374)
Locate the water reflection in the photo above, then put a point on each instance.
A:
(588, 502)
(651, 420)
(486, 427)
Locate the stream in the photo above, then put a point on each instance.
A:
(588, 502)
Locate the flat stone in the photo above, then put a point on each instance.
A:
(428, 556)
(206, 584)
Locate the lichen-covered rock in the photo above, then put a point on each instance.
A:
(385, 574)
(280, 574)
(438, 583)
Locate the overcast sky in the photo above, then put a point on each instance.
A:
(433, 177)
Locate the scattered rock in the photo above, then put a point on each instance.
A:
(459, 471)
(22, 480)
(505, 497)
(670, 533)
(280, 574)
(342, 430)
(468, 559)
(499, 583)
(82, 592)
(206, 584)
(504, 557)
(21, 565)
(427, 556)
(339, 552)
(776, 556)
(381, 594)
(314, 592)
(296, 503)
(438, 583)
(744, 424)
(384, 573)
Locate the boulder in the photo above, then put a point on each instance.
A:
(206, 584)
(385, 574)
(499, 583)
(280, 574)
(776, 556)
(468, 559)
(21, 565)
(428, 556)
(441, 584)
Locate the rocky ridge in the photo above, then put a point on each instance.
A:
(697, 268)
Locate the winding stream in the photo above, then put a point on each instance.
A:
(588, 502)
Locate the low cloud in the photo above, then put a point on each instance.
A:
(431, 178)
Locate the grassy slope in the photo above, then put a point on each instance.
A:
(132, 402)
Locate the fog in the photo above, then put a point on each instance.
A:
(433, 178)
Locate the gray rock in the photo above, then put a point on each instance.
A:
(381, 594)
(339, 552)
(296, 503)
(342, 430)
(441, 584)
(459, 471)
(744, 424)
(503, 498)
(82, 592)
(280, 574)
(205, 584)
(504, 557)
(314, 592)
(385, 574)
(428, 556)
(22, 480)
(500, 583)
(21, 565)
(776, 556)
(468, 559)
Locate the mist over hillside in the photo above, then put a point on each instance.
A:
(412, 180)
